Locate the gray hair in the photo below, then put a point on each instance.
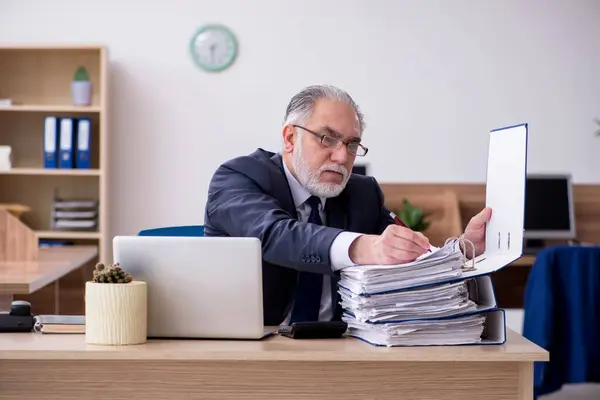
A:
(302, 104)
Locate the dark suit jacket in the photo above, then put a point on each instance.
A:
(249, 196)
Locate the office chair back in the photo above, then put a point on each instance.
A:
(184, 230)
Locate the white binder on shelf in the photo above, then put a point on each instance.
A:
(66, 143)
(51, 134)
(505, 195)
(82, 155)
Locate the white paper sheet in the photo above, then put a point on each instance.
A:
(460, 330)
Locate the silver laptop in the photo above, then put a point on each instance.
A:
(198, 287)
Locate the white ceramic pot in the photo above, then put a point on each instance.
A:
(81, 93)
(116, 313)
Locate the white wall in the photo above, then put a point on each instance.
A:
(432, 78)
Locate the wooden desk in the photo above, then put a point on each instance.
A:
(64, 367)
(53, 264)
(524, 261)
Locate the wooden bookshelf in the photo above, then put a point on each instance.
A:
(37, 79)
(52, 108)
(56, 234)
(42, 171)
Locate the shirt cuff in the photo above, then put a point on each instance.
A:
(339, 254)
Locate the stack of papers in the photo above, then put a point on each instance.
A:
(455, 331)
(441, 298)
(425, 302)
(441, 264)
(431, 302)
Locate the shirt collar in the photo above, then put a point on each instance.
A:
(299, 192)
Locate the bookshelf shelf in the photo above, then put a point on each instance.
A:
(51, 108)
(74, 235)
(37, 79)
(43, 171)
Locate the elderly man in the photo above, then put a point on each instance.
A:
(311, 214)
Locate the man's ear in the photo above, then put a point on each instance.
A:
(289, 138)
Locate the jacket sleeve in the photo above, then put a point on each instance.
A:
(239, 207)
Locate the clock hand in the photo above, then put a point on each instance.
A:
(212, 52)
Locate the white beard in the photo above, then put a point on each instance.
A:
(311, 180)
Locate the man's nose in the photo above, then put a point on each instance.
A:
(340, 155)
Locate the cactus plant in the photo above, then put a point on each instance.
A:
(81, 75)
(113, 273)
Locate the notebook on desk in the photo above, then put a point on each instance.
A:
(59, 324)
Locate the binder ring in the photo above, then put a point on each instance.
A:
(467, 267)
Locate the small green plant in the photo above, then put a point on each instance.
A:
(81, 75)
(113, 273)
(413, 217)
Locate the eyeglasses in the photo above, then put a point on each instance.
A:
(354, 148)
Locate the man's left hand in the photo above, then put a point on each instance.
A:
(475, 232)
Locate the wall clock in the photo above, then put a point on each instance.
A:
(213, 48)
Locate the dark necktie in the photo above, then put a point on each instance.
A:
(307, 299)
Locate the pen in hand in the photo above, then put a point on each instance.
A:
(398, 221)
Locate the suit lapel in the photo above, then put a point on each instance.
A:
(281, 187)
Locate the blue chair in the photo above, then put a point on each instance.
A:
(184, 230)
(562, 309)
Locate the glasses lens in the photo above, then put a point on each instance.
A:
(331, 141)
(356, 149)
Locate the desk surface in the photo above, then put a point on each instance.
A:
(526, 260)
(53, 263)
(37, 346)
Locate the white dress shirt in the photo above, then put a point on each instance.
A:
(339, 251)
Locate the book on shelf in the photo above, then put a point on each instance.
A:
(5, 158)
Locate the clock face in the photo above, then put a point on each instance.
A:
(213, 48)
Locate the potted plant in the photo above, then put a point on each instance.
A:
(81, 88)
(413, 217)
(115, 307)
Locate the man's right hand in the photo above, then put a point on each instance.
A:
(396, 245)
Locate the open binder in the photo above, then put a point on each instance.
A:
(445, 298)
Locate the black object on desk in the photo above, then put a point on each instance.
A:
(314, 330)
(19, 319)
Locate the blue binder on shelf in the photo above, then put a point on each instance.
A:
(82, 155)
(51, 134)
(505, 195)
(66, 149)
